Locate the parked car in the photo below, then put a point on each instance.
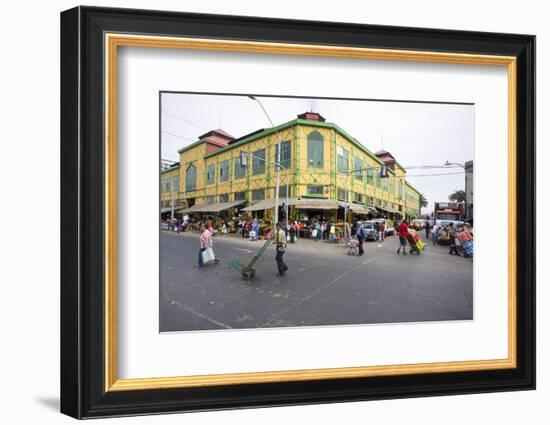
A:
(370, 230)
(418, 224)
(390, 230)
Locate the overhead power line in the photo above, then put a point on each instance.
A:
(184, 120)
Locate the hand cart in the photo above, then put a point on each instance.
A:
(248, 271)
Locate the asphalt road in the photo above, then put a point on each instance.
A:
(323, 286)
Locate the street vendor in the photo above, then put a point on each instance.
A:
(403, 232)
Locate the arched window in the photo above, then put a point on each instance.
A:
(315, 150)
(191, 178)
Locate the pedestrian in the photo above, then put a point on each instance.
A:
(361, 236)
(435, 231)
(382, 231)
(322, 228)
(203, 244)
(427, 229)
(292, 232)
(332, 233)
(452, 244)
(353, 230)
(377, 229)
(403, 232)
(280, 246)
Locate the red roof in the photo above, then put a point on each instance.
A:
(216, 140)
(218, 133)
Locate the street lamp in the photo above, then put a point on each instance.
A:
(278, 166)
(455, 163)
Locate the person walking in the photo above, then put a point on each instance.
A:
(452, 244)
(256, 228)
(332, 233)
(361, 236)
(403, 232)
(322, 228)
(280, 246)
(427, 229)
(292, 233)
(203, 244)
(382, 231)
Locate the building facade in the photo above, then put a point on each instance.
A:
(319, 160)
(170, 190)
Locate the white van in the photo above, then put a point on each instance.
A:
(389, 229)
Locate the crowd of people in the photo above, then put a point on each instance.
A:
(320, 230)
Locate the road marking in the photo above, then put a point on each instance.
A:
(318, 290)
(196, 313)
(244, 250)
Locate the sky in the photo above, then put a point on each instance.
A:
(416, 134)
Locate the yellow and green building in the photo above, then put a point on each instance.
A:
(320, 162)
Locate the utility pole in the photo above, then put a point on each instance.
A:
(278, 166)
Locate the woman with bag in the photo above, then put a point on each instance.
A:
(206, 253)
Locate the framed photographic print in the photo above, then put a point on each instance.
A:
(261, 212)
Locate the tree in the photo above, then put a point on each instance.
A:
(458, 196)
(423, 201)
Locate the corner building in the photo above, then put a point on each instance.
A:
(321, 164)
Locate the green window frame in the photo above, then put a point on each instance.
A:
(211, 174)
(209, 199)
(285, 153)
(315, 150)
(314, 189)
(370, 175)
(191, 178)
(224, 197)
(239, 196)
(258, 194)
(224, 170)
(358, 198)
(240, 169)
(175, 184)
(341, 194)
(342, 160)
(358, 168)
(258, 162)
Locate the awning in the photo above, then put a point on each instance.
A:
(266, 204)
(220, 206)
(165, 210)
(356, 208)
(194, 208)
(316, 204)
(386, 209)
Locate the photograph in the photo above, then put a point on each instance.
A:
(291, 211)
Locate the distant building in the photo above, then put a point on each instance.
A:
(169, 190)
(469, 189)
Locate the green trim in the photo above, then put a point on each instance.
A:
(315, 196)
(412, 187)
(191, 146)
(288, 125)
(296, 159)
(172, 168)
(333, 188)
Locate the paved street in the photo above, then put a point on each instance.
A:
(323, 286)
